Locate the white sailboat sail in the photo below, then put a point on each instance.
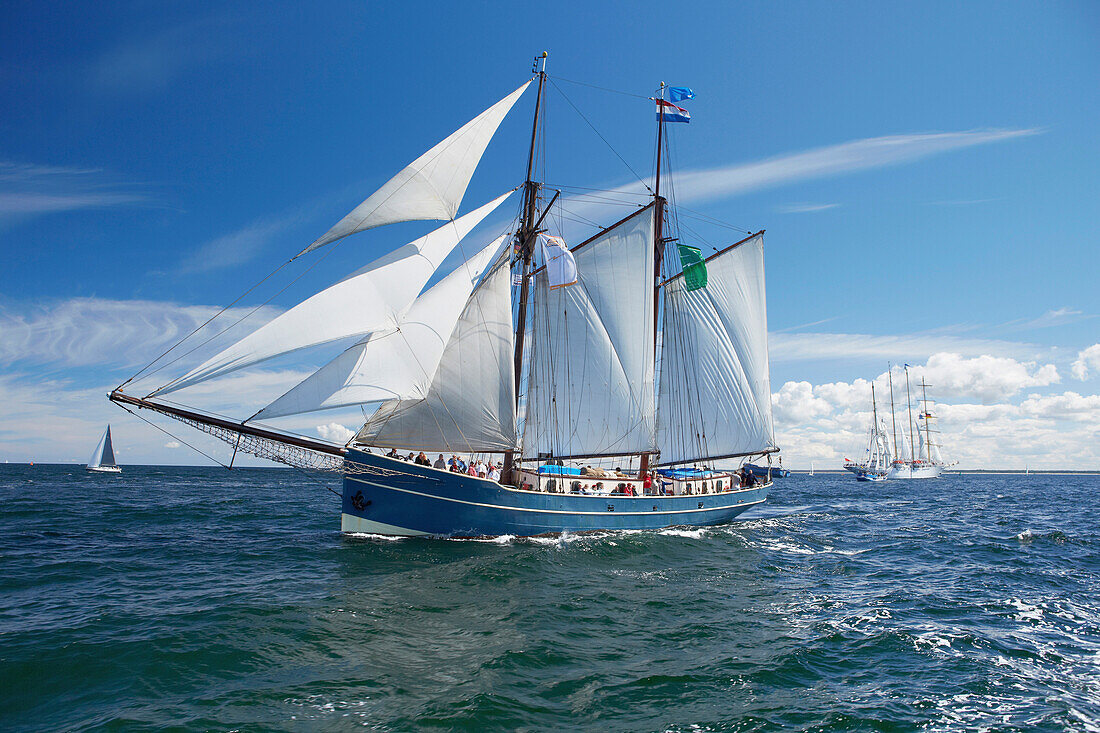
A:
(104, 454)
(715, 392)
(590, 383)
(470, 402)
(432, 186)
(394, 364)
(369, 300)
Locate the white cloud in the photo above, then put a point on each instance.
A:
(28, 189)
(793, 347)
(335, 433)
(239, 246)
(823, 423)
(102, 332)
(804, 208)
(1087, 360)
(172, 444)
(149, 63)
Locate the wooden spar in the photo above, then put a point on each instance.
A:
(719, 253)
(703, 459)
(240, 428)
(658, 245)
(578, 456)
(526, 237)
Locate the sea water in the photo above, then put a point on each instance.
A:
(212, 599)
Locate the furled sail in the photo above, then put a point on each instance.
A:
(432, 186)
(369, 300)
(470, 402)
(715, 395)
(393, 364)
(104, 454)
(590, 383)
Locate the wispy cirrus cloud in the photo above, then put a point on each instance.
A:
(804, 208)
(29, 189)
(239, 246)
(850, 157)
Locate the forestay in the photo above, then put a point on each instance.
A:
(715, 395)
(370, 300)
(590, 383)
(395, 364)
(432, 186)
(469, 405)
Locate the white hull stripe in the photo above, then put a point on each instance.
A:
(564, 511)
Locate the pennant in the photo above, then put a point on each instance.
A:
(679, 94)
(561, 268)
(671, 112)
(694, 267)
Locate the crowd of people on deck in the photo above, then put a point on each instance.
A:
(652, 485)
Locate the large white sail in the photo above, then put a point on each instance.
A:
(470, 403)
(590, 383)
(432, 186)
(715, 393)
(394, 364)
(369, 300)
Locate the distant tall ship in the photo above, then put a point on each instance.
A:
(927, 461)
(876, 462)
(630, 349)
(103, 459)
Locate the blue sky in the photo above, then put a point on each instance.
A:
(927, 176)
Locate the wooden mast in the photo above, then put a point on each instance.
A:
(658, 244)
(912, 439)
(525, 237)
(893, 420)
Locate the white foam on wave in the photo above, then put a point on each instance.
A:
(694, 534)
(372, 536)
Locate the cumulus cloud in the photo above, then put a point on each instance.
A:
(335, 433)
(984, 421)
(1087, 363)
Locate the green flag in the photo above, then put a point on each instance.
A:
(695, 269)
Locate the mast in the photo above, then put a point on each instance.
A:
(874, 426)
(927, 414)
(525, 237)
(658, 246)
(909, 405)
(893, 420)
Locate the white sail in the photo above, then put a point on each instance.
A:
(394, 364)
(590, 383)
(470, 403)
(369, 300)
(715, 394)
(104, 454)
(432, 186)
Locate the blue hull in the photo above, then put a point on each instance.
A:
(388, 496)
(762, 471)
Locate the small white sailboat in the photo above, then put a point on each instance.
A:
(103, 459)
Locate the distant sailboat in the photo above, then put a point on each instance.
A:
(811, 468)
(876, 460)
(103, 459)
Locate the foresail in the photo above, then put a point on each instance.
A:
(97, 454)
(715, 393)
(394, 364)
(590, 382)
(470, 402)
(370, 300)
(432, 186)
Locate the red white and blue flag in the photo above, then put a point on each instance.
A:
(671, 112)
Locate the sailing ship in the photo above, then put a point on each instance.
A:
(926, 461)
(103, 457)
(875, 464)
(535, 356)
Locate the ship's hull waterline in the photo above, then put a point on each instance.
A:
(905, 471)
(391, 497)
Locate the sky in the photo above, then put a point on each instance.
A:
(927, 176)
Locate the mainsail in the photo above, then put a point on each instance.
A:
(469, 406)
(715, 395)
(590, 383)
(369, 300)
(394, 364)
(432, 186)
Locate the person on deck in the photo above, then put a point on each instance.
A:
(440, 463)
(647, 484)
(471, 470)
